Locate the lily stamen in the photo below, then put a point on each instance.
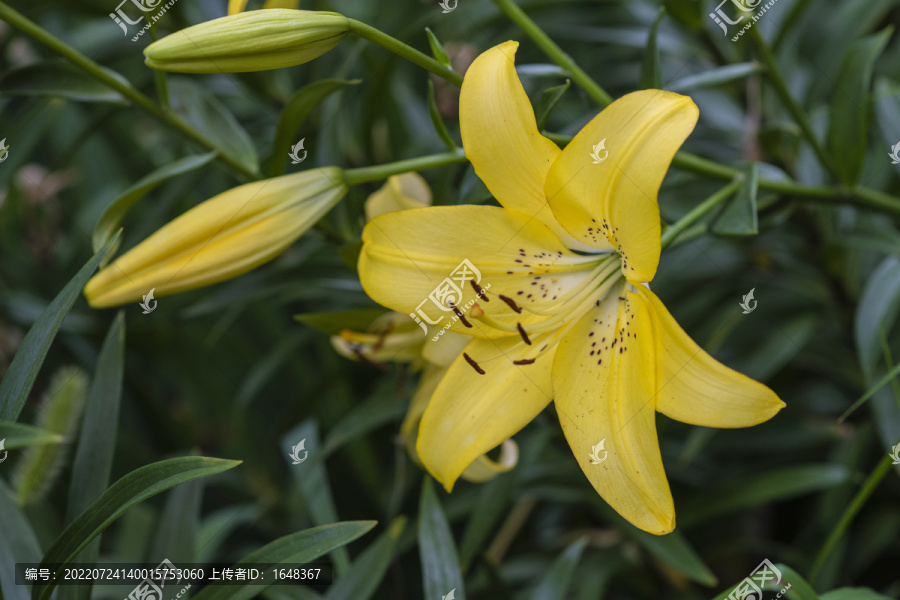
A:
(523, 334)
(512, 304)
(474, 364)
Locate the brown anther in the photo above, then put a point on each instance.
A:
(460, 315)
(523, 334)
(479, 290)
(511, 303)
(524, 361)
(474, 364)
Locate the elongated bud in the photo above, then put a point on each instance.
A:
(257, 40)
(221, 238)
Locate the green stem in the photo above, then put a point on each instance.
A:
(387, 42)
(517, 16)
(773, 71)
(379, 172)
(115, 82)
(854, 507)
(162, 81)
(697, 213)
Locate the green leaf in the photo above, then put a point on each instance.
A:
(555, 584)
(715, 77)
(687, 12)
(848, 123)
(60, 413)
(739, 215)
(877, 310)
(17, 544)
(93, 461)
(493, 503)
(651, 77)
(436, 120)
(57, 78)
(112, 216)
(772, 486)
(176, 532)
(131, 489)
(311, 482)
(800, 589)
(210, 117)
(216, 528)
(17, 435)
(379, 409)
(26, 364)
(437, 49)
(886, 379)
(674, 550)
(294, 114)
(440, 563)
(362, 580)
(303, 546)
(333, 323)
(847, 593)
(548, 100)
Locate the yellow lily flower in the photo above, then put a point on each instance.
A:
(567, 317)
(258, 40)
(221, 238)
(236, 6)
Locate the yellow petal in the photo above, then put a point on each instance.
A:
(445, 349)
(484, 469)
(221, 238)
(257, 40)
(409, 429)
(236, 6)
(408, 255)
(501, 139)
(470, 413)
(695, 388)
(604, 382)
(400, 192)
(615, 200)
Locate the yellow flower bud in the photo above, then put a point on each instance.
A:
(221, 238)
(258, 40)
